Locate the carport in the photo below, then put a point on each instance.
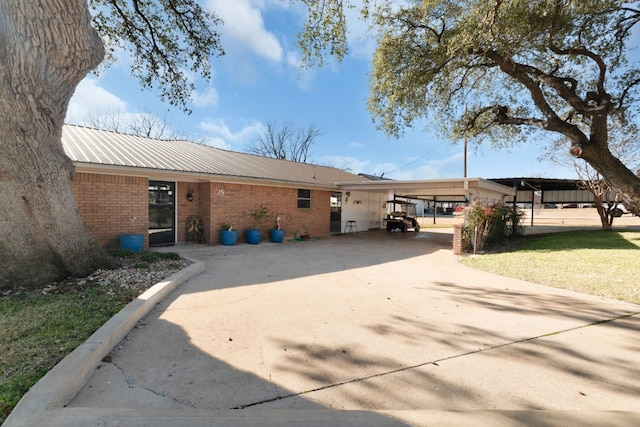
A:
(459, 190)
(536, 193)
(547, 190)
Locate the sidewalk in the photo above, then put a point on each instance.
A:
(370, 329)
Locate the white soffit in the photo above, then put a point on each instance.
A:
(428, 189)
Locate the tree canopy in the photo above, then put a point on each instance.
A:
(166, 39)
(520, 68)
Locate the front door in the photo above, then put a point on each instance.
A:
(336, 212)
(162, 230)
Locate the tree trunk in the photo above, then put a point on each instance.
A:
(623, 180)
(605, 220)
(46, 48)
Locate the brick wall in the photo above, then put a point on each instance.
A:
(235, 202)
(108, 203)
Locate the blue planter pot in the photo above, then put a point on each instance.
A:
(229, 237)
(132, 242)
(277, 236)
(253, 236)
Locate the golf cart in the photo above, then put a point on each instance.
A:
(403, 219)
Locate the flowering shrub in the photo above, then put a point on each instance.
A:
(485, 224)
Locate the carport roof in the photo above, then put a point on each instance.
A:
(433, 189)
(543, 184)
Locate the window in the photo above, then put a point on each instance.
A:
(304, 199)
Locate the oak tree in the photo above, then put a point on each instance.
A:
(624, 143)
(46, 48)
(523, 69)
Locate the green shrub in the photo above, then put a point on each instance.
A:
(148, 256)
(145, 258)
(488, 224)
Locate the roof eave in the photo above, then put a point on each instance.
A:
(192, 176)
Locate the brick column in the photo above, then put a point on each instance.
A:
(457, 239)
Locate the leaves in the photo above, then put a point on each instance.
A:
(501, 71)
(490, 223)
(167, 40)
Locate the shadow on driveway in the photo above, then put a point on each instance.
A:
(378, 324)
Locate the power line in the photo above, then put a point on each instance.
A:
(415, 160)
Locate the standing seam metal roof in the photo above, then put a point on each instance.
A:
(94, 146)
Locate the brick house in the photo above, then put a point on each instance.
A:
(126, 183)
(133, 184)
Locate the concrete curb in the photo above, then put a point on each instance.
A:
(82, 417)
(62, 382)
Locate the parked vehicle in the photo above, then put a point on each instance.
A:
(403, 220)
(619, 210)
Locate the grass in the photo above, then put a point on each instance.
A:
(39, 328)
(592, 262)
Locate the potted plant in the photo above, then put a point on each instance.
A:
(228, 236)
(132, 241)
(254, 235)
(277, 233)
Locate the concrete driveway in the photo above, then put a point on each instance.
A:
(370, 329)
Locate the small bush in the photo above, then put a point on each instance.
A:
(122, 253)
(147, 256)
(488, 224)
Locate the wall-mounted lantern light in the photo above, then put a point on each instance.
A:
(190, 195)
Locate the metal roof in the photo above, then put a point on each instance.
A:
(112, 150)
(543, 184)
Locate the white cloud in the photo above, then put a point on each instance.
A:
(304, 76)
(432, 169)
(354, 145)
(89, 96)
(361, 42)
(350, 164)
(244, 26)
(221, 135)
(214, 141)
(208, 98)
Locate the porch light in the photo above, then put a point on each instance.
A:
(190, 195)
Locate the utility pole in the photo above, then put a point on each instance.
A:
(465, 143)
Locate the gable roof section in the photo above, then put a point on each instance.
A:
(112, 150)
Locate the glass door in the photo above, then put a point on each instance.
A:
(162, 229)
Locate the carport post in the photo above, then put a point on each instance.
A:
(532, 204)
(434, 209)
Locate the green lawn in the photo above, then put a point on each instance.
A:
(39, 328)
(599, 263)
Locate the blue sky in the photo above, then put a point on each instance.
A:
(258, 81)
